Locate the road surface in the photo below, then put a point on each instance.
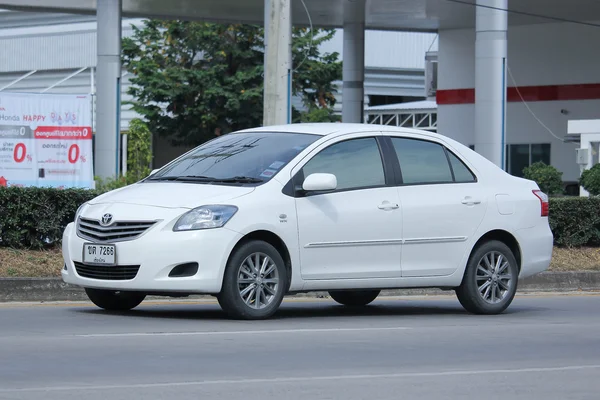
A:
(544, 347)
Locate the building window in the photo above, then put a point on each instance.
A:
(521, 156)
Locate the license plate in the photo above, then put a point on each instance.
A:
(99, 254)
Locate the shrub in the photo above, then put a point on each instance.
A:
(36, 217)
(139, 156)
(590, 180)
(548, 178)
(106, 185)
(575, 221)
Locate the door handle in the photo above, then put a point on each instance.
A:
(386, 205)
(469, 201)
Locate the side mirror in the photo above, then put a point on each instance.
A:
(153, 172)
(319, 183)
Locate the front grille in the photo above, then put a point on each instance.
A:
(117, 232)
(117, 273)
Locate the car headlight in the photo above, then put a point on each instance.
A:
(205, 217)
(79, 211)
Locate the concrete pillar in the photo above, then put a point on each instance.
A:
(353, 93)
(108, 88)
(278, 63)
(490, 81)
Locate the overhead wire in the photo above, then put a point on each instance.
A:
(529, 108)
(311, 36)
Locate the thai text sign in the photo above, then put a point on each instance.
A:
(46, 140)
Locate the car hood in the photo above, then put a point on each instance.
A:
(172, 194)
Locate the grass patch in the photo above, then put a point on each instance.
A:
(575, 259)
(48, 263)
(30, 263)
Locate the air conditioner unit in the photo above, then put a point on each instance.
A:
(431, 73)
(582, 156)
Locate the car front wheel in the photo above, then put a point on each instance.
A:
(354, 298)
(254, 283)
(115, 300)
(490, 281)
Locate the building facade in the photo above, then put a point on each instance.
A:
(557, 74)
(56, 53)
(552, 72)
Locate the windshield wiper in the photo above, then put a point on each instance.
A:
(201, 178)
(239, 179)
(194, 178)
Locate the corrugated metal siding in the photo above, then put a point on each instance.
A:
(19, 19)
(385, 49)
(79, 84)
(404, 50)
(53, 52)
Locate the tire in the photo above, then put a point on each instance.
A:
(484, 301)
(114, 300)
(239, 296)
(354, 298)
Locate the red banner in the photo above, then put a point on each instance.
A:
(64, 132)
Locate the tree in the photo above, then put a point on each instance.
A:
(548, 178)
(315, 75)
(590, 180)
(192, 80)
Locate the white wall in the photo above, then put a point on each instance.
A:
(543, 54)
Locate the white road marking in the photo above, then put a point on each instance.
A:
(304, 379)
(261, 332)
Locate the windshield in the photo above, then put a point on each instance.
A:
(237, 158)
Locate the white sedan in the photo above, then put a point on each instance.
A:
(350, 209)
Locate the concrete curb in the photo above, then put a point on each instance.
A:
(54, 289)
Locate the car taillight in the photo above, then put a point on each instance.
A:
(543, 202)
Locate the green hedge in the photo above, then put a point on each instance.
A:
(36, 217)
(575, 221)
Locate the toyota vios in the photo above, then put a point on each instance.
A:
(350, 209)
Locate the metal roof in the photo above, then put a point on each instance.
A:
(46, 46)
(417, 15)
(425, 105)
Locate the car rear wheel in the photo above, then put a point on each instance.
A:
(254, 283)
(490, 281)
(354, 298)
(115, 300)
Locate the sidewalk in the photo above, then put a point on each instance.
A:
(54, 289)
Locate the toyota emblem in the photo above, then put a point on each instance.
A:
(106, 219)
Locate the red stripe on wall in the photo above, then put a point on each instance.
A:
(455, 96)
(586, 91)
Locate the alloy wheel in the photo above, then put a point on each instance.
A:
(258, 280)
(493, 276)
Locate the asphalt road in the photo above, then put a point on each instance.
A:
(542, 348)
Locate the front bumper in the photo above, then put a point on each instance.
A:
(157, 252)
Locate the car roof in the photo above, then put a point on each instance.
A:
(330, 128)
(340, 129)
